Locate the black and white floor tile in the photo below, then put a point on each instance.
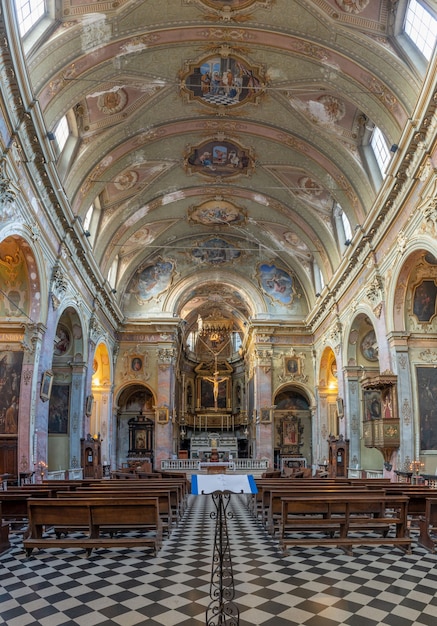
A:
(129, 587)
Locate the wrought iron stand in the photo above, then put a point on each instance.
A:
(221, 610)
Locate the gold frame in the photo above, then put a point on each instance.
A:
(46, 385)
(292, 366)
(266, 414)
(89, 405)
(162, 415)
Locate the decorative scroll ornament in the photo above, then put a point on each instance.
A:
(429, 356)
(375, 291)
(166, 357)
(58, 287)
(264, 359)
(94, 329)
(8, 195)
(352, 6)
(406, 412)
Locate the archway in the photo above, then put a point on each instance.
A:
(134, 437)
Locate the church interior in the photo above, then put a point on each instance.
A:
(231, 243)
(221, 259)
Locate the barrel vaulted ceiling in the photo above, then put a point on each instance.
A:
(221, 194)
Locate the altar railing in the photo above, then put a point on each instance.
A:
(195, 464)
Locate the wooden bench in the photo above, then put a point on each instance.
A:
(97, 516)
(428, 525)
(344, 521)
(166, 512)
(4, 533)
(272, 500)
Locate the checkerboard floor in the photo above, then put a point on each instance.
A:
(125, 587)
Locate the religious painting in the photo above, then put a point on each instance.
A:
(424, 301)
(162, 415)
(217, 213)
(152, 280)
(372, 404)
(427, 395)
(140, 439)
(290, 431)
(89, 405)
(292, 366)
(14, 280)
(291, 400)
(223, 81)
(276, 283)
(10, 382)
(369, 346)
(266, 414)
(136, 364)
(219, 158)
(59, 408)
(62, 341)
(215, 251)
(46, 385)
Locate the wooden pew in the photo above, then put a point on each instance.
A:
(344, 520)
(4, 533)
(272, 500)
(96, 516)
(428, 525)
(166, 513)
(14, 505)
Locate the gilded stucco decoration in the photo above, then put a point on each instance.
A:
(352, 6)
(135, 364)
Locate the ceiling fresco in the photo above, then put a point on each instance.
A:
(218, 139)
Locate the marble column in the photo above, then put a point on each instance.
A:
(165, 399)
(410, 429)
(77, 411)
(263, 401)
(352, 421)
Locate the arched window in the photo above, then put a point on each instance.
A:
(381, 150)
(88, 218)
(29, 12)
(62, 132)
(421, 27)
(112, 274)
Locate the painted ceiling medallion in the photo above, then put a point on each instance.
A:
(222, 80)
(219, 158)
(217, 212)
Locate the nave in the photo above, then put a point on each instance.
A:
(311, 587)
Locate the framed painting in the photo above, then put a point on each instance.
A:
(290, 432)
(136, 364)
(266, 414)
(46, 385)
(59, 408)
(424, 301)
(427, 396)
(162, 415)
(89, 405)
(372, 404)
(292, 366)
